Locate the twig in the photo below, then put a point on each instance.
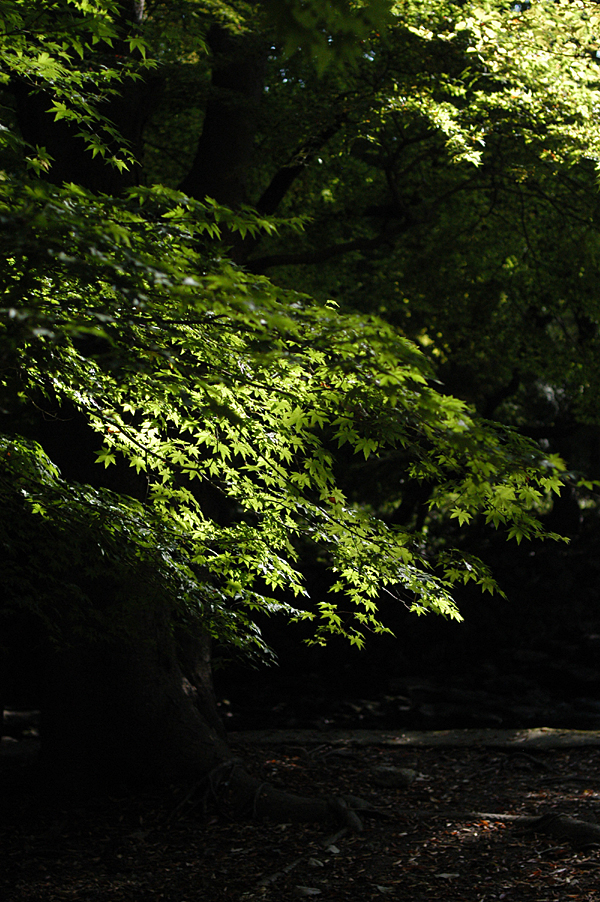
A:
(537, 761)
(266, 881)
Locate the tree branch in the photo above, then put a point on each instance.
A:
(284, 177)
(261, 264)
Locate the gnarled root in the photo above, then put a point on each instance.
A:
(231, 785)
(578, 833)
(246, 793)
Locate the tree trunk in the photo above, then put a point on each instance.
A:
(116, 705)
(122, 715)
(137, 708)
(226, 144)
(126, 696)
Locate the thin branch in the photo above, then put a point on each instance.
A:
(261, 264)
(286, 175)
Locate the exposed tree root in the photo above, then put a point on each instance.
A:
(231, 785)
(246, 793)
(575, 831)
(580, 834)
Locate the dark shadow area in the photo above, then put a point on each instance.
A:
(530, 659)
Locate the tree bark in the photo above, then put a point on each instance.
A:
(120, 709)
(225, 146)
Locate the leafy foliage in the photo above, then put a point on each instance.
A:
(328, 32)
(458, 199)
(69, 50)
(207, 379)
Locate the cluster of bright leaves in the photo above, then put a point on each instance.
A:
(195, 372)
(529, 67)
(202, 373)
(67, 49)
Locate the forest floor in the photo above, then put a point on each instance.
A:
(437, 838)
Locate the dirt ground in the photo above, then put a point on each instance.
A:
(436, 838)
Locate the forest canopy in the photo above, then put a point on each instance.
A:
(317, 278)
